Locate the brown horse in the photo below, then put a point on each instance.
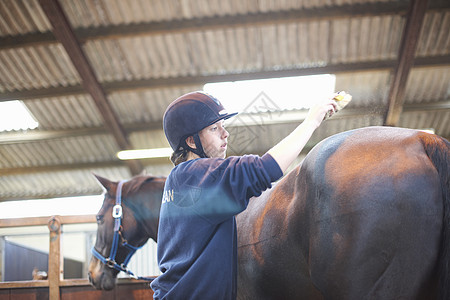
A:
(365, 216)
(140, 201)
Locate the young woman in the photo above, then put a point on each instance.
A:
(197, 250)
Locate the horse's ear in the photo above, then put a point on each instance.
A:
(105, 183)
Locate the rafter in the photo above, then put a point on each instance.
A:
(40, 135)
(214, 22)
(218, 22)
(106, 164)
(73, 167)
(64, 33)
(408, 45)
(118, 86)
(50, 195)
(62, 168)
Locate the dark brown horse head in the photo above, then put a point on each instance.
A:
(135, 221)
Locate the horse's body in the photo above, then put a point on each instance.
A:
(365, 216)
(361, 218)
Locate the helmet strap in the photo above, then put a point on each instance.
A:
(199, 148)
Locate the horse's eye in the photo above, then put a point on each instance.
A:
(99, 219)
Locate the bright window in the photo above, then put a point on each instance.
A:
(84, 205)
(15, 116)
(285, 93)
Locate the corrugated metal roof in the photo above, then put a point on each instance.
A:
(35, 68)
(146, 106)
(268, 47)
(144, 54)
(69, 112)
(426, 85)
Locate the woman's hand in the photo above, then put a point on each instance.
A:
(289, 148)
(316, 114)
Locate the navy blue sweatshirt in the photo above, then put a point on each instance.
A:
(197, 238)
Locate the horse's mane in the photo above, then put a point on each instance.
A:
(136, 193)
(136, 183)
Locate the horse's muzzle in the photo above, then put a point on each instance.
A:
(100, 277)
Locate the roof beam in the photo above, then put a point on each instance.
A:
(46, 135)
(40, 135)
(219, 22)
(249, 19)
(17, 197)
(74, 167)
(106, 164)
(119, 86)
(407, 50)
(64, 34)
(61, 168)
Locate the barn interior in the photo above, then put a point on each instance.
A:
(95, 77)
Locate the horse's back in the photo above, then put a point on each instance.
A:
(361, 218)
(374, 203)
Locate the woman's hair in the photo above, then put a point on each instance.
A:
(179, 156)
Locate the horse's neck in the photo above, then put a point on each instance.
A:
(150, 223)
(147, 217)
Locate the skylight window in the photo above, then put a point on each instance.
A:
(286, 93)
(15, 116)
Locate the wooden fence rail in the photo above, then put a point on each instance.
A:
(56, 287)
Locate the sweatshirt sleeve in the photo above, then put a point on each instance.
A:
(251, 175)
(224, 186)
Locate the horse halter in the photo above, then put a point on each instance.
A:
(110, 261)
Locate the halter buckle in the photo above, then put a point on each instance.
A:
(117, 211)
(110, 263)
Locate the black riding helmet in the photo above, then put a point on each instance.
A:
(188, 115)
